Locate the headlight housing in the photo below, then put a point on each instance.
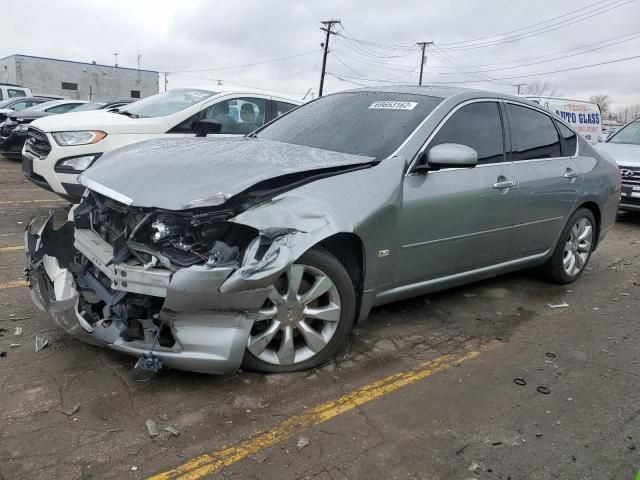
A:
(75, 164)
(21, 127)
(80, 137)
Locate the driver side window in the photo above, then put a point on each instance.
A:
(237, 116)
(477, 125)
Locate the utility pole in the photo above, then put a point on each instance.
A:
(139, 57)
(165, 81)
(116, 55)
(518, 85)
(423, 58)
(328, 25)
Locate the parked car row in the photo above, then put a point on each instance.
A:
(60, 148)
(13, 131)
(264, 249)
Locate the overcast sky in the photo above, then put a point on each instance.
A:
(192, 35)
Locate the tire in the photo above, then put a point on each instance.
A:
(557, 269)
(285, 320)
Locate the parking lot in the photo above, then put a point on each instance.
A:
(425, 388)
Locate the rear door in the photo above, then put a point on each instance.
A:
(459, 219)
(543, 155)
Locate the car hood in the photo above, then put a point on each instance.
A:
(625, 154)
(184, 173)
(109, 122)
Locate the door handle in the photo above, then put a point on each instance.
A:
(571, 174)
(504, 184)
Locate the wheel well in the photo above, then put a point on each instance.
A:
(595, 209)
(349, 250)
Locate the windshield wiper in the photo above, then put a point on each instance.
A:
(125, 112)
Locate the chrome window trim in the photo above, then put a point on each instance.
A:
(425, 145)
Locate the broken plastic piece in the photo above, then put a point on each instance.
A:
(148, 363)
(559, 305)
(40, 343)
(302, 442)
(18, 331)
(152, 428)
(172, 430)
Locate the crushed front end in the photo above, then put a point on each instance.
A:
(147, 282)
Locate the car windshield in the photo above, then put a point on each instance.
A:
(89, 106)
(41, 106)
(372, 124)
(167, 103)
(628, 134)
(4, 103)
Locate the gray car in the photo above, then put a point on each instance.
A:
(208, 254)
(624, 148)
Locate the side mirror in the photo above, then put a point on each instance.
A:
(206, 126)
(449, 155)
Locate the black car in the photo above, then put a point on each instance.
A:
(13, 132)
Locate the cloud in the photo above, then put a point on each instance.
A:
(198, 34)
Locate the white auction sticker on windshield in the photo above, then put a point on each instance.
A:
(392, 105)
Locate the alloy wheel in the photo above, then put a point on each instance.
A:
(299, 318)
(578, 247)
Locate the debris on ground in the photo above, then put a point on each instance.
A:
(550, 355)
(70, 411)
(18, 331)
(520, 381)
(559, 305)
(40, 343)
(134, 468)
(2, 330)
(3, 354)
(152, 428)
(172, 430)
(163, 417)
(543, 390)
(302, 443)
(14, 345)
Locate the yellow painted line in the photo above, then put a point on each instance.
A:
(13, 284)
(53, 200)
(12, 248)
(210, 463)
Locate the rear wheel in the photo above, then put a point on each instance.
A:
(574, 248)
(306, 318)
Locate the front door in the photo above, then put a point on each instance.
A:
(459, 219)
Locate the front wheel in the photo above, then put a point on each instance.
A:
(306, 318)
(574, 248)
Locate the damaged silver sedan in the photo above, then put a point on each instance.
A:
(208, 254)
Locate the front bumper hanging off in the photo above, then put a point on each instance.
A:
(210, 328)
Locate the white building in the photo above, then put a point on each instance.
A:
(77, 80)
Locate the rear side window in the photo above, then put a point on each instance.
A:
(569, 140)
(477, 125)
(533, 134)
(283, 107)
(12, 93)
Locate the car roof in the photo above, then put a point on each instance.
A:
(445, 92)
(227, 89)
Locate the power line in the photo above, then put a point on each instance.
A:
(501, 78)
(279, 59)
(543, 30)
(527, 27)
(546, 61)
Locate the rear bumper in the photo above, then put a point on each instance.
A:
(210, 329)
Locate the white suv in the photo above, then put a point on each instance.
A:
(58, 149)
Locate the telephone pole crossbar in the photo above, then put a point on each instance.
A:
(328, 28)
